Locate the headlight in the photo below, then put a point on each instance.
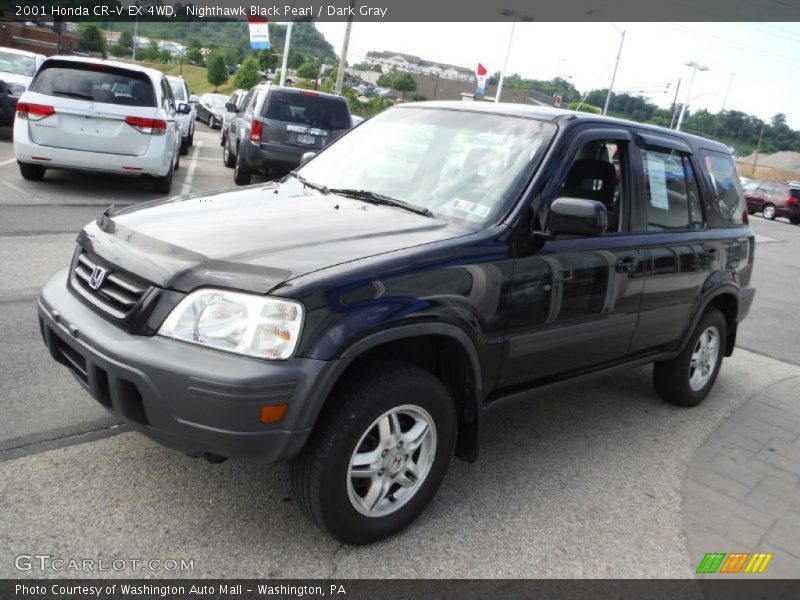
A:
(15, 89)
(242, 323)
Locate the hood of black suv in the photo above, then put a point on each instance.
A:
(253, 239)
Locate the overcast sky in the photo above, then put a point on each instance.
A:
(764, 56)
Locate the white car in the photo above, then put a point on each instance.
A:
(17, 68)
(186, 119)
(98, 115)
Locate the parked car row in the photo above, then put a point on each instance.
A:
(774, 199)
(17, 68)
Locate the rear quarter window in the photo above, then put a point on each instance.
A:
(725, 185)
(307, 109)
(94, 82)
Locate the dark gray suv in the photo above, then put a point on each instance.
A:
(276, 125)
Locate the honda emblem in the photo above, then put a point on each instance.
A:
(97, 278)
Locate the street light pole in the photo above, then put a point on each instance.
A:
(505, 62)
(286, 43)
(614, 75)
(343, 58)
(695, 67)
(727, 90)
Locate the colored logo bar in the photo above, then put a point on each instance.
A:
(734, 563)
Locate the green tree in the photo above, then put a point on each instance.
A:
(125, 42)
(296, 59)
(116, 50)
(266, 59)
(248, 74)
(91, 38)
(233, 55)
(151, 52)
(307, 71)
(404, 82)
(387, 79)
(217, 73)
(194, 52)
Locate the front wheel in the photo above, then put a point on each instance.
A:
(379, 453)
(227, 156)
(769, 211)
(794, 220)
(687, 379)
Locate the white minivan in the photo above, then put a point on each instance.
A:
(98, 115)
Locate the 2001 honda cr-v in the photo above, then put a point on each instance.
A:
(360, 316)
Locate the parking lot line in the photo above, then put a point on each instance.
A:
(186, 186)
(7, 162)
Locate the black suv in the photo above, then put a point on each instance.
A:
(359, 317)
(276, 125)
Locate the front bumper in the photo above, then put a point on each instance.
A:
(193, 399)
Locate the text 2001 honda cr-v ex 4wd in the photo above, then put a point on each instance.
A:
(359, 317)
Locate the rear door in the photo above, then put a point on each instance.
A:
(303, 118)
(92, 102)
(683, 250)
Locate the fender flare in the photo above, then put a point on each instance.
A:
(726, 289)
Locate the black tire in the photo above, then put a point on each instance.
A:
(163, 185)
(227, 156)
(223, 139)
(184, 146)
(320, 474)
(31, 172)
(794, 220)
(177, 161)
(672, 378)
(241, 174)
(190, 143)
(768, 211)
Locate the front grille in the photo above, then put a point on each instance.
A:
(118, 292)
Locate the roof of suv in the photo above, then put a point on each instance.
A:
(294, 90)
(154, 74)
(555, 115)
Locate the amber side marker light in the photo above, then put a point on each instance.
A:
(272, 413)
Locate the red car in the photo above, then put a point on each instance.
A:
(773, 199)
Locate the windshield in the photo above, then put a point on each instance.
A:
(93, 82)
(464, 166)
(178, 90)
(17, 64)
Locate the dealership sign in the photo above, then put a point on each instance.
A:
(259, 32)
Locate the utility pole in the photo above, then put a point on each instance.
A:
(436, 86)
(286, 43)
(614, 75)
(505, 62)
(758, 149)
(135, 35)
(674, 105)
(343, 57)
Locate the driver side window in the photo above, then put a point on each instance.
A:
(599, 172)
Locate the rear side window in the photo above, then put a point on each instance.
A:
(794, 193)
(95, 83)
(722, 172)
(307, 109)
(673, 199)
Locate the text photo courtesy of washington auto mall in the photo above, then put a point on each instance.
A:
(378, 299)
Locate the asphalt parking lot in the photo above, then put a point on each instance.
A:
(590, 482)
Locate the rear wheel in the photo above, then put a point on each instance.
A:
(769, 211)
(794, 220)
(163, 185)
(241, 174)
(687, 379)
(184, 146)
(31, 172)
(227, 156)
(378, 455)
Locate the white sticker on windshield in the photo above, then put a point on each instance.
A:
(658, 182)
(473, 208)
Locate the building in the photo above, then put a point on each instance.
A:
(388, 60)
(40, 38)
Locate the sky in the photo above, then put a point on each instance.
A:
(765, 57)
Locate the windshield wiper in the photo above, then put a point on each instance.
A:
(315, 186)
(376, 198)
(74, 95)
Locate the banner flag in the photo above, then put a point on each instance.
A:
(259, 32)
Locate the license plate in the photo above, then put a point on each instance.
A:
(303, 138)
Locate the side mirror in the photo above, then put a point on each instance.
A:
(231, 107)
(306, 156)
(576, 216)
(184, 109)
(193, 99)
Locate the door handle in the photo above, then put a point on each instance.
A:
(710, 253)
(627, 264)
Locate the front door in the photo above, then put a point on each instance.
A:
(575, 300)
